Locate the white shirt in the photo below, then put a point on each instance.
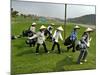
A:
(57, 35)
(32, 29)
(41, 37)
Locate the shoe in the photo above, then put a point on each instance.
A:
(81, 63)
(85, 60)
(48, 52)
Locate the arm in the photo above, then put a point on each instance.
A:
(33, 37)
(54, 34)
(61, 37)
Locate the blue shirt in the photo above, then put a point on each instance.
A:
(73, 36)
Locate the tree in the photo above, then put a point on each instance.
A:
(14, 13)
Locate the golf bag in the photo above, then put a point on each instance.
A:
(27, 33)
(31, 42)
(46, 32)
(78, 43)
(67, 41)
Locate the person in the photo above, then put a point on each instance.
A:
(32, 28)
(56, 36)
(72, 39)
(41, 39)
(30, 33)
(31, 40)
(84, 44)
(49, 31)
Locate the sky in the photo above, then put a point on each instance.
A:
(52, 9)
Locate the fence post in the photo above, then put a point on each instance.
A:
(65, 21)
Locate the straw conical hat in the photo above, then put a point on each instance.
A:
(33, 23)
(88, 29)
(76, 27)
(42, 27)
(60, 28)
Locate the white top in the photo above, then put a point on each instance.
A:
(41, 37)
(57, 35)
(32, 29)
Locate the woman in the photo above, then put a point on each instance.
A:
(41, 39)
(56, 36)
(84, 45)
(70, 41)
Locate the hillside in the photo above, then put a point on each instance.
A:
(86, 19)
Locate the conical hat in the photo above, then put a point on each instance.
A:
(76, 27)
(88, 29)
(33, 23)
(42, 27)
(60, 28)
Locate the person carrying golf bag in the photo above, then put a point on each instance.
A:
(56, 36)
(83, 46)
(41, 39)
(70, 41)
(31, 41)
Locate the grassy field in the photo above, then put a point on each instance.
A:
(24, 60)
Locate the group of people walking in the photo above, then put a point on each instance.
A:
(48, 32)
(82, 45)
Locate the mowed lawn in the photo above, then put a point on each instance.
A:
(24, 60)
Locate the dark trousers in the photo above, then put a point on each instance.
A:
(72, 45)
(58, 46)
(32, 44)
(38, 45)
(82, 56)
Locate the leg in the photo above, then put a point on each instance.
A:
(30, 44)
(33, 43)
(85, 55)
(58, 47)
(73, 45)
(45, 47)
(53, 46)
(80, 57)
(37, 48)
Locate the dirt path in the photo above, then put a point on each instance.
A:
(84, 25)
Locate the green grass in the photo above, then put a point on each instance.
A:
(24, 59)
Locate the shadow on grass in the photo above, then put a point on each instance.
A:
(66, 61)
(24, 52)
(31, 51)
